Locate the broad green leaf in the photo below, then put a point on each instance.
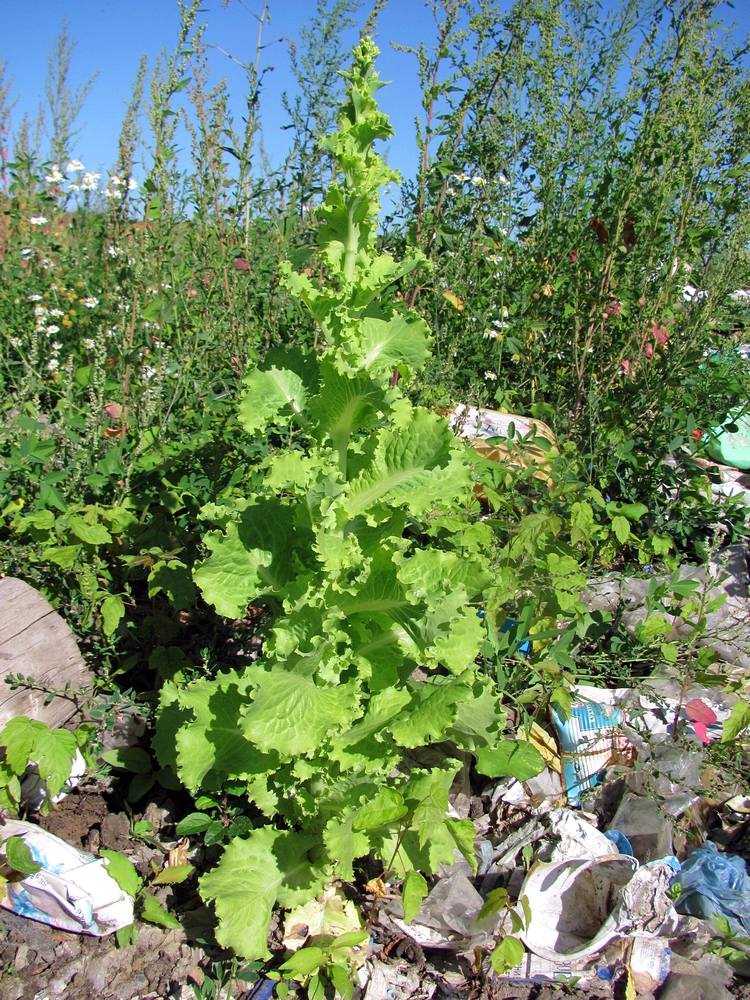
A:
(739, 719)
(19, 857)
(507, 955)
(113, 611)
(132, 759)
(304, 962)
(123, 872)
(428, 574)
(193, 823)
(61, 555)
(243, 888)
(621, 528)
(173, 874)
(417, 465)
(385, 807)
(212, 747)
(292, 714)
(52, 750)
(251, 558)
(270, 395)
(401, 342)
(351, 939)
(430, 714)
(174, 579)
(497, 899)
(342, 981)
(154, 913)
(344, 405)
(92, 533)
(413, 891)
(345, 844)
(510, 759)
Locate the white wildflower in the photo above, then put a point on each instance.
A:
(53, 364)
(502, 179)
(52, 329)
(27, 253)
(38, 220)
(40, 310)
(114, 251)
(492, 376)
(55, 176)
(91, 302)
(132, 184)
(34, 298)
(148, 373)
(88, 343)
(56, 313)
(73, 166)
(478, 181)
(56, 346)
(90, 181)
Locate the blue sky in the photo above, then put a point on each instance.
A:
(111, 35)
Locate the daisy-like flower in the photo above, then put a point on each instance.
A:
(114, 251)
(115, 180)
(56, 313)
(88, 343)
(52, 329)
(34, 298)
(73, 166)
(56, 346)
(55, 176)
(91, 302)
(53, 364)
(90, 181)
(38, 220)
(478, 181)
(492, 376)
(132, 184)
(40, 310)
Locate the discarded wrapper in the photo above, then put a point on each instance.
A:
(73, 890)
(34, 789)
(605, 727)
(506, 437)
(585, 898)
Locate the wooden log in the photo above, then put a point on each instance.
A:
(35, 641)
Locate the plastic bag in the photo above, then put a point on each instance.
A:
(715, 884)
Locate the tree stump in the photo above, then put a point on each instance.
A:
(35, 641)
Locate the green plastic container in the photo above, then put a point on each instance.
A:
(730, 443)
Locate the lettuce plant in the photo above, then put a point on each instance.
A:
(361, 538)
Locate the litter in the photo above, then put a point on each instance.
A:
(328, 914)
(72, 891)
(729, 443)
(34, 789)
(641, 821)
(506, 437)
(716, 884)
(614, 727)
(580, 905)
(447, 919)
